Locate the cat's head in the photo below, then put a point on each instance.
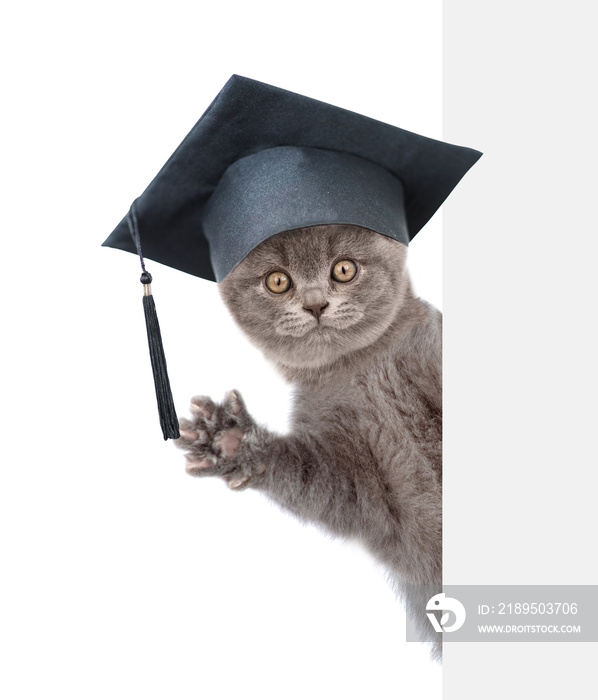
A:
(309, 296)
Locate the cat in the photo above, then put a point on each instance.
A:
(333, 308)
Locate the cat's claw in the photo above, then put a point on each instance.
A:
(237, 483)
(213, 438)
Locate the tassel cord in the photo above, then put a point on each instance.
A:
(166, 410)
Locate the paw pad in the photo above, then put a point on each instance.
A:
(218, 440)
(227, 442)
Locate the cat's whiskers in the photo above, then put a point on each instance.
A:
(292, 324)
(346, 314)
(339, 314)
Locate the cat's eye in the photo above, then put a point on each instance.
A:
(278, 282)
(344, 271)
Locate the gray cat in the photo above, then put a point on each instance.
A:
(332, 307)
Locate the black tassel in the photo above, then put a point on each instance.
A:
(168, 416)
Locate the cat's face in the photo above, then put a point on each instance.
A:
(309, 296)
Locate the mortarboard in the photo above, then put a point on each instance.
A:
(262, 160)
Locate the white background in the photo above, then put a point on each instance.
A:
(121, 576)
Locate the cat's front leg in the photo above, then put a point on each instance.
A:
(311, 475)
(220, 440)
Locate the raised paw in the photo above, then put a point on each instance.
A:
(213, 438)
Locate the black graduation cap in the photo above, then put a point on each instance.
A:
(262, 160)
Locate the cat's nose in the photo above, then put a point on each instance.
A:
(317, 309)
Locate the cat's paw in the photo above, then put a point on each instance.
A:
(213, 439)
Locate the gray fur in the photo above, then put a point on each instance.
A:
(363, 456)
